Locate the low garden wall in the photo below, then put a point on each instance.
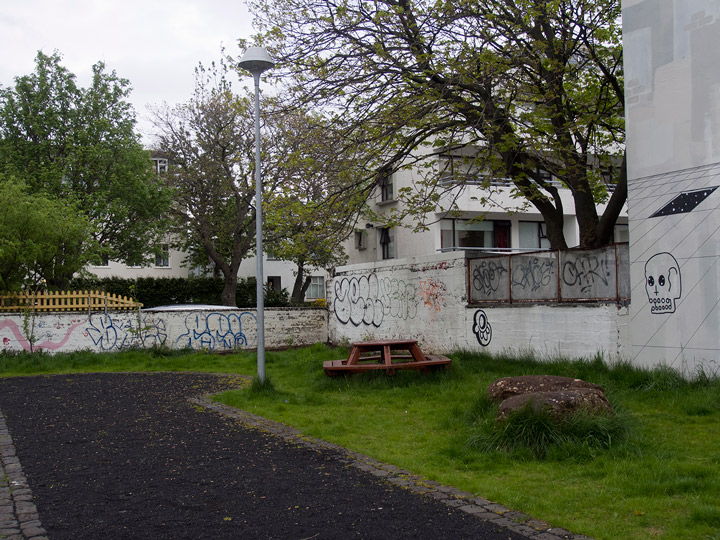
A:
(427, 299)
(213, 328)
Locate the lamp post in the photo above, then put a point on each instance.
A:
(256, 60)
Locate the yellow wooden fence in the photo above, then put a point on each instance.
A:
(65, 301)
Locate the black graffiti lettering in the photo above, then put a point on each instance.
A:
(585, 272)
(486, 277)
(534, 274)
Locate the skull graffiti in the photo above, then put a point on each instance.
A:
(662, 283)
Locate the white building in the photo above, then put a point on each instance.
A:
(482, 220)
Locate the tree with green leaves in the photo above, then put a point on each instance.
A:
(210, 143)
(79, 146)
(40, 237)
(309, 214)
(531, 86)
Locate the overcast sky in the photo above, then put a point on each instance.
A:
(155, 44)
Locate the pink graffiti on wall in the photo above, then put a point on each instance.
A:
(25, 343)
(433, 294)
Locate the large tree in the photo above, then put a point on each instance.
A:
(533, 86)
(79, 145)
(210, 142)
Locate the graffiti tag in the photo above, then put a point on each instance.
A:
(533, 274)
(481, 328)
(585, 272)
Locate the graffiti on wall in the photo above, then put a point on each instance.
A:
(552, 276)
(123, 333)
(43, 337)
(663, 283)
(433, 293)
(486, 276)
(587, 271)
(481, 328)
(367, 300)
(214, 331)
(533, 273)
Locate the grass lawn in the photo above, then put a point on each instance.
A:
(659, 480)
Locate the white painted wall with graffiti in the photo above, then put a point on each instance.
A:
(672, 89)
(213, 328)
(428, 299)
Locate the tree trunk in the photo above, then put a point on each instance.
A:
(301, 285)
(227, 297)
(606, 226)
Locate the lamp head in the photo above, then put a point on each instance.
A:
(256, 60)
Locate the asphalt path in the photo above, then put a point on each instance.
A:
(129, 456)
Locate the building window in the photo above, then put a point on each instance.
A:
(463, 233)
(621, 233)
(533, 235)
(360, 240)
(386, 188)
(387, 243)
(274, 283)
(162, 258)
(104, 260)
(317, 288)
(160, 165)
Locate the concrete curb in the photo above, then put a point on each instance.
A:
(517, 522)
(19, 518)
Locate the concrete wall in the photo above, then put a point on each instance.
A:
(672, 84)
(425, 298)
(214, 328)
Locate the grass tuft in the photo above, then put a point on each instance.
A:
(537, 434)
(262, 387)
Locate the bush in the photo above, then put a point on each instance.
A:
(154, 292)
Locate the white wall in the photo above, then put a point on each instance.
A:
(215, 328)
(425, 298)
(672, 84)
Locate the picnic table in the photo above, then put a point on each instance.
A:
(383, 354)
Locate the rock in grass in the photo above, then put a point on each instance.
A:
(559, 404)
(507, 387)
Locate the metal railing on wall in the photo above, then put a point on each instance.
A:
(65, 301)
(577, 275)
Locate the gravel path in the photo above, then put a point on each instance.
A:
(129, 456)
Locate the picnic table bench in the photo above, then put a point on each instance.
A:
(374, 355)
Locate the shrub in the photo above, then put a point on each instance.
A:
(154, 292)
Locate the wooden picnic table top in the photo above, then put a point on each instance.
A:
(384, 342)
(384, 359)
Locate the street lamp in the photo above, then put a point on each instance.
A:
(256, 60)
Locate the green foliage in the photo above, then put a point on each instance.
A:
(528, 86)
(261, 388)
(152, 292)
(40, 237)
(78, 146)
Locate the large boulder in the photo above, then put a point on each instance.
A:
(559, 404)
(507, 387)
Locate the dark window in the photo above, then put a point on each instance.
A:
(274, 283)
(387, 243)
